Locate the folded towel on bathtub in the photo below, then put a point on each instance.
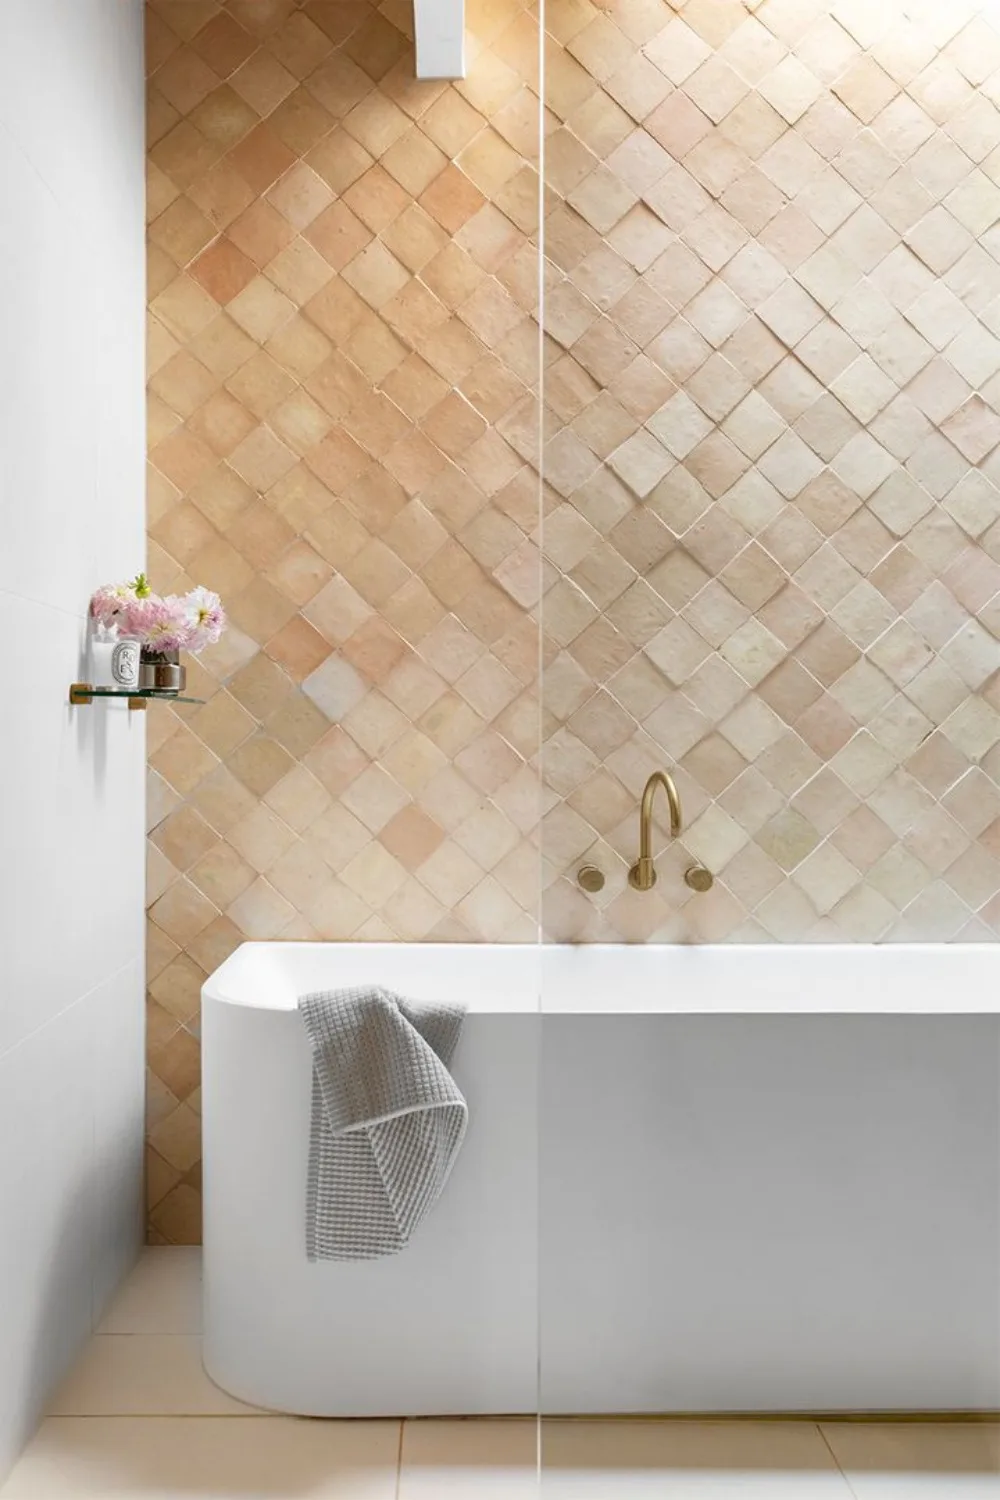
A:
(387, 1118)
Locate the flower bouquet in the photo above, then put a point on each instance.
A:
(162, 627)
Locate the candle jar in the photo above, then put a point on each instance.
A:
(162, 671)
(114, 661)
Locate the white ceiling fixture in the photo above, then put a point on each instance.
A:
(439, 27)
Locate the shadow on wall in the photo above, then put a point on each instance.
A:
(91, 728)
(49, 1327)
(71, 1187)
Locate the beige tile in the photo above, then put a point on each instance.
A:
(687, 1459)
(161, 1295)
(374, 875)
(938, 1461)
(142, 1374)
(495, 1460)
(164, 1458)
(261, 912)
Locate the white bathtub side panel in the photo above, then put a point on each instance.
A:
(770, 1213)
(447, 1326)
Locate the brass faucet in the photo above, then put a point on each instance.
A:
(642, 876)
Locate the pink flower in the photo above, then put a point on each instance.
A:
(205, 616)
(160, 624)
(110, 602)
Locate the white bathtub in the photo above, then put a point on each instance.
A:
(695, 1179)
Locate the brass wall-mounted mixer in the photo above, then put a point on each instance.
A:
(642, 876)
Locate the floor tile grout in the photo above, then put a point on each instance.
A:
(829, 1448)
(399, 1458)
(408, 1459)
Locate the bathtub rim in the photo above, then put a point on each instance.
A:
(554, 979)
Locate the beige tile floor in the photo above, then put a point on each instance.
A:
(138, 1418)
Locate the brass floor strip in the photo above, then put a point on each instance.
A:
(829, 1417)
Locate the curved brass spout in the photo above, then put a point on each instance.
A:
(642, 876)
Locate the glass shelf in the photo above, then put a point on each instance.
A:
(82, 693)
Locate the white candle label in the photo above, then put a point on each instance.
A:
(125, 664)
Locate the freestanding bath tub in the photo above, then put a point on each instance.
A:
(695, 1179)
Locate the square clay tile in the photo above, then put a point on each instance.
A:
(185, 79)
(223, 270)
(490, 163)
(260, 309)
(376, 46)
(717, 88)
(262, 81)
(299, 44)
(414, 161)
(223, 118)
(261, 459)
(223, 724)
(826, 351)
(641, 463)
(181, 232)
(974, 429)
(938, 466)
(974, 201)
(974, 503)
(223, 44)
(939, 165)
(415, 238)
(975, 128)
(184, 154)
(260, 611)
(339, 84)
(900, 351)
(221, 346)
(791, 88)
(639, 237)
(599, 47)
(300, 195)
(452, 199)
(339, 160)
(261, 158)
(299, 271)
(223, 422)
(301, 121)
(677, 50)
(604, 425)
(376, 274)
(261, 232)
(376, 123)
(184, 308)
(640, 161)
(638, 87)
(715, 613)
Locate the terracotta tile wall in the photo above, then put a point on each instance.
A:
(343, 393)
(773, 401)
(771, 545)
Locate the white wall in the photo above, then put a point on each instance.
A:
(71, 798)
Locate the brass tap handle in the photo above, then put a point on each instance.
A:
(697, 878)
(590, 878)
(642, 876)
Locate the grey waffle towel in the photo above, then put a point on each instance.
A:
(387, 1118)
